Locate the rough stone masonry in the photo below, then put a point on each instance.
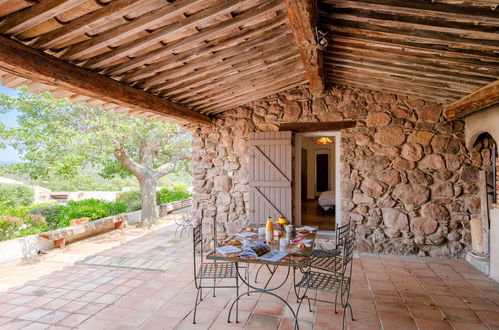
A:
(407, 179)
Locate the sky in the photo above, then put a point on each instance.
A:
(9, 119)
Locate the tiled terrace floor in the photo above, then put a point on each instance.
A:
(388, 292)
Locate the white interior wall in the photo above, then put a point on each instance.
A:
(312, 148)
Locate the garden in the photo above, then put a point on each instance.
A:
(20, 217)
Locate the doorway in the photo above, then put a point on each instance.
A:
(317, 184)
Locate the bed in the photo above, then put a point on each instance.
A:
(327, 199)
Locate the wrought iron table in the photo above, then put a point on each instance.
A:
(296, 258)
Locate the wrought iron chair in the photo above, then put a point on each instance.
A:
(183, 222)
(335, 282)
(212, 271)
(327, 259)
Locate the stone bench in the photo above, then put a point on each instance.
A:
(65, 235)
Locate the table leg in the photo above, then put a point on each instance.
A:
(262, 290)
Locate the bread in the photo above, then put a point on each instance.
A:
(303, 231)
(234, 242)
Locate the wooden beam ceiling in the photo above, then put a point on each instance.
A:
(212, 55)
(478, 100)
(303, 18)
(437, 50)
(32, 64)
(197, 51)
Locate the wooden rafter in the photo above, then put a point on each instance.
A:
(32, 64)
(230, 44)
(83, 24)
(34, 15)
(478, 100)
(222, 27)
(303, 18)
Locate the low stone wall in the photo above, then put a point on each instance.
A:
(407, 181)
(30, 246)
(23, 248)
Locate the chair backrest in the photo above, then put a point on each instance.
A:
(342, 233)
(347, 254)
(197, 240)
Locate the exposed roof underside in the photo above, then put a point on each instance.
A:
(439, 50)
(212, 55)
(206, 55)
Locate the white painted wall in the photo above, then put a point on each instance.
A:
(494, 244)
(313, 149)
(486, 120)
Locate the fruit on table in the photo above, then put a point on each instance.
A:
(283, 221)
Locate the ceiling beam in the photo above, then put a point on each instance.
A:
(35, 65)
(478, 100)
(304, 17)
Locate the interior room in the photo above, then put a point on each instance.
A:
(318, 181)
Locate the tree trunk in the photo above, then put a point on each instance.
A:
(148, 185)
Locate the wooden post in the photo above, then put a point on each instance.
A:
(484, 210)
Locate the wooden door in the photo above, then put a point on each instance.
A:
(270, 170)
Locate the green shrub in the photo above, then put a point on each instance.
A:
(33, 224)
(9, 226)
(48, 211)
(14, 195)
(131, 199)
(178, 192)
(89, 208)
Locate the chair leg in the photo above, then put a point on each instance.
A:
(335, 302)
(237, 301)
(299, 306)
(246, 276)
(196, 306)
(351, 311)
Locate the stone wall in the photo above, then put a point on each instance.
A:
(406, 177)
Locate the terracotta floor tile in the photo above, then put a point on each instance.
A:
(458, 325)
(432, 324)
(4, 308)
(289, 324)
(448, 301)
(56, 303)
(161, 323)
(36, 326)
(257, 321)
(35, 314)
(14, 325)
(4, 320)
(91, 308)
(397, 321)
(53, 317)
(18, 311)
(269, 308)
(74, 320)
(94, 323)
(96, 297)
(489, 317)
(460, 314)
